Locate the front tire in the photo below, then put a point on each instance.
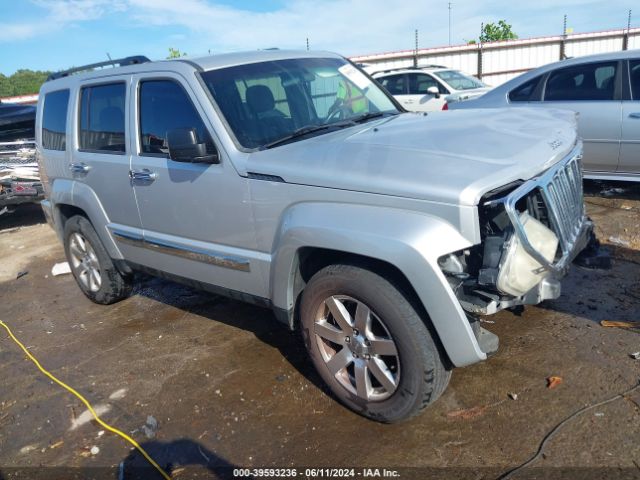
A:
(91, 265)
(370, 345)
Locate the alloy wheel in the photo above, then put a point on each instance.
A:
(85, 262)
(357, 348)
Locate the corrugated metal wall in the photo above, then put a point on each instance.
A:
(501, 61)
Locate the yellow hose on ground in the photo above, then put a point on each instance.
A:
(87, 404)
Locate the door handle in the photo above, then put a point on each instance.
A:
(79, 168)
(144, 175)
(634, 115)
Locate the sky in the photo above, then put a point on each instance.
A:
(58, 34)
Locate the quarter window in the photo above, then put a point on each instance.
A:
(395, 84)
(591, 81)
(525, 92)
(54, 120)
(102, 118)
(165, 106)
(634, 71)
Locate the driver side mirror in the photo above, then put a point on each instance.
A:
(184, 147)
(434, 91)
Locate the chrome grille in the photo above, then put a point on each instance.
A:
(563, 196)
(17, 153)
(561, 190)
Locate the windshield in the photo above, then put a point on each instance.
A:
(458, 80)
(268, 101)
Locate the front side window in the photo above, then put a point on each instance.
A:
(102, 110)
(395, 84)
(165, 106)
(419, 84)
(458, 80)
(590, 81)
(54, 120)
(268, 102)
(634, 71)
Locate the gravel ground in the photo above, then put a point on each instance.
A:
(206, 383)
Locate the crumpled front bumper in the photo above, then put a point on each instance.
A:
(560, 190)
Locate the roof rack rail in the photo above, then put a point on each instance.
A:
(411, 67)
(119, 62)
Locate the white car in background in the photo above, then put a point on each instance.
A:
(429, 88)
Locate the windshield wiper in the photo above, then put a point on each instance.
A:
(302, 131)
(368, 116)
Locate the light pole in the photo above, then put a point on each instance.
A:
(449, 23)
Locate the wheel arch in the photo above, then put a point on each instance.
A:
(70, 197)
(407, 247)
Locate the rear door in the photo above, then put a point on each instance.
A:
(630, 144)
(101, 159)
(594, 90)
(397, 86)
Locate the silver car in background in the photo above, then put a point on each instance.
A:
(605, 91)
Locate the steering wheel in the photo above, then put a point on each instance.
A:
(339, 113)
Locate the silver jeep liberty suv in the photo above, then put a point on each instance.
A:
(293, 181)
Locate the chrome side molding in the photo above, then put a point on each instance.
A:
(191, 253)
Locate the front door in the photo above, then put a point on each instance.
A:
(419, 98)
(630, 144)
(196, 217)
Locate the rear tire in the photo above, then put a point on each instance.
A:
(91, 265)
(370, 345)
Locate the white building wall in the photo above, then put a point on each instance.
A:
(501, 61)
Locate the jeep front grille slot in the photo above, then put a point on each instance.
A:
(563, 196)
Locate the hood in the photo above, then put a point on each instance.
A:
(449, 157)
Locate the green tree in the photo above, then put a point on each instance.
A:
(22, 82)
(492, 32)
(175, 53)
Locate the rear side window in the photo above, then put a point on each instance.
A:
(102, 118)
(525, 92)
(591, 81)
(634, 71)
(395, 84)
(54, 120)
(164, 106)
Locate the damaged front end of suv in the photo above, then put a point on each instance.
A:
(531, 231)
